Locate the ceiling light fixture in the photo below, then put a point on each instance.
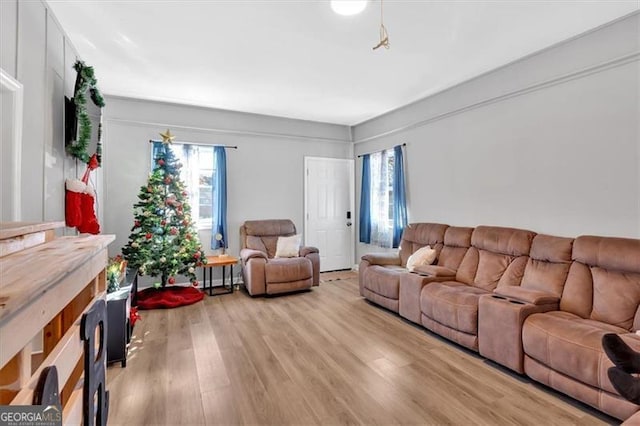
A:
(384, 36)
(348, 7)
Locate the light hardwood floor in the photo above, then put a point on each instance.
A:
(321, 357)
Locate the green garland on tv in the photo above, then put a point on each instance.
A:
(85, 82)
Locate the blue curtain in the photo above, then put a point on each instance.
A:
(399, 197)
(156, 149)
(219, 199)
(365, 201)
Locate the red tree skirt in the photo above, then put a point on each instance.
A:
(168, 297)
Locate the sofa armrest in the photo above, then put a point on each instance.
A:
(246, 254)
(633, 420)
(434, 271)
(308, 250)
(527, 295)
(383, 259)
(500, 331)
(313, 254)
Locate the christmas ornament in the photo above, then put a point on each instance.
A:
(167, 137)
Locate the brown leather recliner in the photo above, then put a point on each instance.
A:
(262, 272)
(457, 241)
(497, 255)
(563, 349)
(379, 274)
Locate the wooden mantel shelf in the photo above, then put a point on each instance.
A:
(24, 279)
(46, 284)
(38, 282)
(16, 229)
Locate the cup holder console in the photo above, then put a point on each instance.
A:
(515, 302)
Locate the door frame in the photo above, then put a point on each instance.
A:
(352, 195)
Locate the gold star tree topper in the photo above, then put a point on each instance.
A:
(167, 137)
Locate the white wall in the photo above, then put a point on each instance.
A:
(264, 175)
(36, 52)
(550, 142)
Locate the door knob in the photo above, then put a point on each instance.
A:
(348, 223)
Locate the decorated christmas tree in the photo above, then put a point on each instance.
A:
(163, 241)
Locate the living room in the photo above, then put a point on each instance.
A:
(538, 132)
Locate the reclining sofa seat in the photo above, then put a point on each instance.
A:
(457, 241)
(502, 314)
(379, 274)
(563, 348)
(262, 272)
(497, 256)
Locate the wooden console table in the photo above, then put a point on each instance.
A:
(46, 284)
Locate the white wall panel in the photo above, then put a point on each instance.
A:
(31, 73)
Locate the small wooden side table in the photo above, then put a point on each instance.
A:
(214, 262)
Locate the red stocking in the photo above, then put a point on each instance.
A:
(89, 223)
(73, 196)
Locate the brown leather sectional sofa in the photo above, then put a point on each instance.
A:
(537, 304)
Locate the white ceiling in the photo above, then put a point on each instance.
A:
(299, 59)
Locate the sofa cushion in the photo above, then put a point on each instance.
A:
(283, 270)
(418, 235)
(548, 264)
(384, 280)
(457, 241)
(423, 256)
(509, 241)
(267, 231)
(453, 304)
(288, 246)
(458, 236)
(618, 254)
(273, 227)
(491, 267)
(616, 297)
(494, 252)
(570, 345)
(255, 243)
(604, 280)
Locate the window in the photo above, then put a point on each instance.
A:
(383, 211)
(198, 174)
(382, 198)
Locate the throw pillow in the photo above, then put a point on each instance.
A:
(424, 256)
(288, 246)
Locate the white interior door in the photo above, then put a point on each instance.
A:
(329, 210)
